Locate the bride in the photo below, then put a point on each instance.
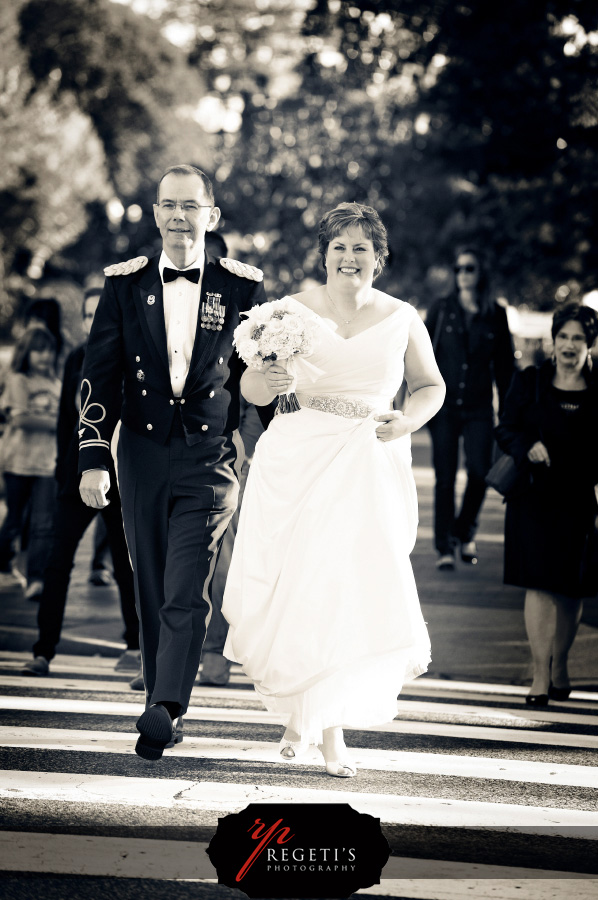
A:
(323, 609)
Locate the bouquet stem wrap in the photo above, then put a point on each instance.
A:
(287, 402)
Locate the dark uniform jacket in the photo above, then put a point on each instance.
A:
(126, 374)
(469, 359)
(68, 421)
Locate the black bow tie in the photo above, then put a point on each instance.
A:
(173, 274)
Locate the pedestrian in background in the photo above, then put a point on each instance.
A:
(71, 521)
(30, 401)
(46, 311)
(548, 426)
(474, 351)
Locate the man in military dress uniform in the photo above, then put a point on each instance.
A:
(160, 358)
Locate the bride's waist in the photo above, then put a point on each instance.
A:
(345, 405)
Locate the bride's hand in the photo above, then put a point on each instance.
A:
(277, 378)
(396, 425)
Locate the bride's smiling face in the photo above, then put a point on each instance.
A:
(350, 259)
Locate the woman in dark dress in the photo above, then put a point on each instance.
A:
(548, 425)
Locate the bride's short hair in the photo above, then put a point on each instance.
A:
(354, 215)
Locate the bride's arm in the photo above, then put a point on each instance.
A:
(425, 384)
(422, 375)
(261, 387)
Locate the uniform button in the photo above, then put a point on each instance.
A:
(144, 393)
(204, 427)
(459, 402)
(211, 393)
(137, 359)
(464, 366)
(221, 360)
(171, 402)
(182, 400)
(449, 328)
(461, 384)
(150, 427)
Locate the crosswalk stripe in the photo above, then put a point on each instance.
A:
(435, 687)
(437, 764)
(500, 887)
(188, 861)
(217, 798)
(259, 716)
(66, 636)
(508, 716)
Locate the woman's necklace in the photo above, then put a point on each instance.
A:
(341, 314)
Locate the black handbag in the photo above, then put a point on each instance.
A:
(505, 477)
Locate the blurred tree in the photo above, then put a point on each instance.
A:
(119, 100)
(123, 73)
(453, 119)
(53, 165)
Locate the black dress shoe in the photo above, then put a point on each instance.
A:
(177, 733)
(155, 729)
(537, 699)
(556, 693)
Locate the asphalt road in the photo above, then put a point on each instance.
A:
(476, 794)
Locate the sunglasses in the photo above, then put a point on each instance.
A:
(468, 268)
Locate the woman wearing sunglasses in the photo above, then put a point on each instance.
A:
(474, 351)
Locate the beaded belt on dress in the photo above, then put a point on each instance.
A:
(348, 407)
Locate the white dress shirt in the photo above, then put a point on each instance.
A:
(181, 309)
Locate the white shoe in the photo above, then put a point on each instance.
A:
(336, 768)
(129, 661)
(34, 590)
(215, 669)
(138, 683)
(37, 666)
(446, 562)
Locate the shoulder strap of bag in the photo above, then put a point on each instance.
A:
(439, 322)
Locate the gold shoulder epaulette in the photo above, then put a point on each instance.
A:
(127, 267)
(242, 269)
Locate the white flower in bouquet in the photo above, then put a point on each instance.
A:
(276, 332)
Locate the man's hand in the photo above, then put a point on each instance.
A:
(95, 484)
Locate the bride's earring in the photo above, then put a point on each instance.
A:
(589, 361)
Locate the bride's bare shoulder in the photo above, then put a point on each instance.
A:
(387, 303)
(312, 298)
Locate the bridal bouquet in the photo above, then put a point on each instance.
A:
(277, 331)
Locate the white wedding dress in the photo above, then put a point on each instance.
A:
(321, 600)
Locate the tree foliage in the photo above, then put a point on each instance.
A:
(455, 120)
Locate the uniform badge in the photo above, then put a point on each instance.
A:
(140, 375)
(212, 312)
(151, 300)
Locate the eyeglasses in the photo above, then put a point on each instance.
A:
(468, 268)
(186, 206)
